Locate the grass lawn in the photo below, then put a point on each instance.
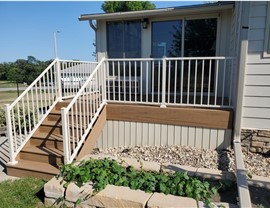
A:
(7, 97)
(22, 193)
(8, 84)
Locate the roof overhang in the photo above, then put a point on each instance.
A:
(212, 7)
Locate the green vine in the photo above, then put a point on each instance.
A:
(106, 171)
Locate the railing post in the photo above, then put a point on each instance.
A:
(163, 90)
(58, 79)
(65, 136)
(103, 75)
(12, 160)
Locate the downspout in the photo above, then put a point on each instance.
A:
(92, 25)
(95, 29)
(242, 50)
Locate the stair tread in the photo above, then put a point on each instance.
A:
(47, 136)
(43, 150)
(35, 166)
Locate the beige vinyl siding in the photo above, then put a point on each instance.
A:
(125, 133)
(256, 98)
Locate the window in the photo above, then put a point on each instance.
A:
(166, 39)
(199, 36)
(124, 39)
(266, 53)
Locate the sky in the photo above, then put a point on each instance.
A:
(26, 29)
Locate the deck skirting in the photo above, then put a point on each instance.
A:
(126, 133)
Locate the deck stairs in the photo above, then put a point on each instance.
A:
(43, 153)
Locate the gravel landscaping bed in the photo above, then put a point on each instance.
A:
(256, 164)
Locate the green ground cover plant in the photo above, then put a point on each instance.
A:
(21, 193)
(107, 171)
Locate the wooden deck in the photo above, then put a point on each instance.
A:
(44, 151)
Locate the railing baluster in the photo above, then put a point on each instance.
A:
(24, 121)
(119, 83)
(19, 123)
(146, 85)
(129, 72)
(202, 79)
(153, 80)
(158, 82)
(29, 113)
(135, 69)
(169, 82)
(209, 81)
(182, 80)
(33, 107)
(163, 93)
(113, 81)
(175, 82)
(141, 88)
(216, 82)
(195, 81)
(223, 82)
(124, 80)
(188, 82)
(231, 83)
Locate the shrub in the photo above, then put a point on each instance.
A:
(106, 171)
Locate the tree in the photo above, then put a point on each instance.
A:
(123, 6)
(16, 75)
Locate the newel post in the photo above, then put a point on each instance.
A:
(65, 136)
(163, 90)
(12, 155)
(103, 75)
(58, 79)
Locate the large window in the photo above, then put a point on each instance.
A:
(199, 37)
(124, 39)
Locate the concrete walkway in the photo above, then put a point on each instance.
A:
(4, 159)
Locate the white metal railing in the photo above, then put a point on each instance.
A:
(188, 81)
(61, 79)
(27, 112)
(80, 115)
(73, 75)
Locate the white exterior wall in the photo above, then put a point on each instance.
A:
(256, 97)
(125, 133)
(223, 33)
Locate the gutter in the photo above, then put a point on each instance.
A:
(183, 10)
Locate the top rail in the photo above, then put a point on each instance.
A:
(32, 84)
(74, 61)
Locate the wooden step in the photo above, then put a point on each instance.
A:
(47, 140)
(28, 168)
(42, 154)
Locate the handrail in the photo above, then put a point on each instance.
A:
(81, 113)
(184, 81)
(32, 84)
(84, 85)
(28, 111)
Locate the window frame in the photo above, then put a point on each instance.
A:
(266, 49)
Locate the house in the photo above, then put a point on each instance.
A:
(193, 75)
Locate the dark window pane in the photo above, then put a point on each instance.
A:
(200, 37)
(132, 37)
(124, 39)
(166, 38)
(115, 31)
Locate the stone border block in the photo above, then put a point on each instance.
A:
(160, 200)
(201, 204)
(119, 196)
(209, 173)
(54, 188)
(150, 166)
(167, 167)
(259, 181)
(73, 192)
